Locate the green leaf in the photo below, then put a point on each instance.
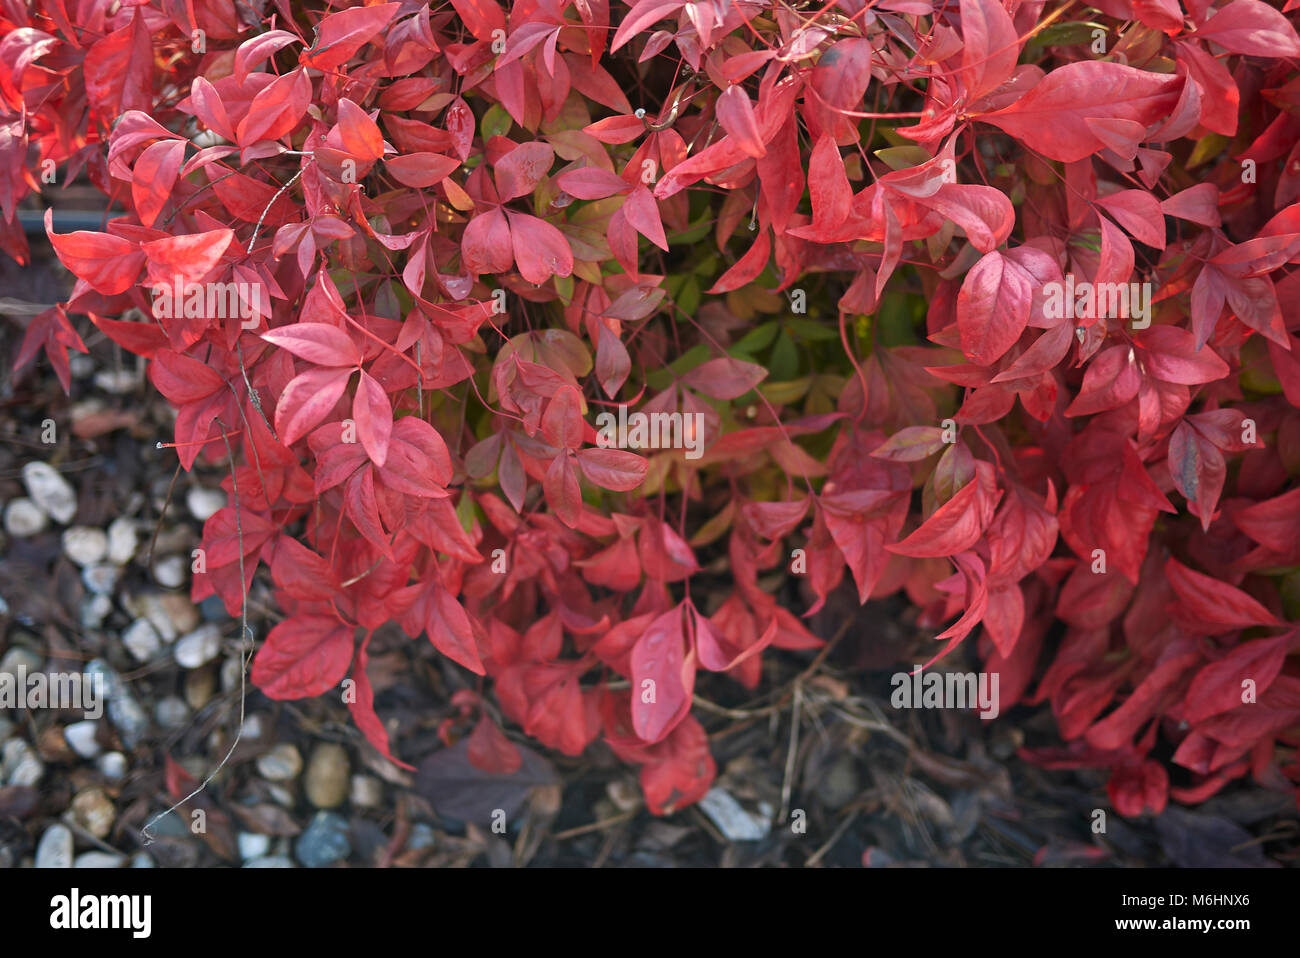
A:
(758, 338)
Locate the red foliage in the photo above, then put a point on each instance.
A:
(432, 225)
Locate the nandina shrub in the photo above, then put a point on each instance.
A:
(991, 304)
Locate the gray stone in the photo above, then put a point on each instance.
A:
(169, 572)
(101, 578)
(124, 711)
(99, 860)
(112, 765)
(55, 848)
(324, 842)
(171, 712)
(277, 861)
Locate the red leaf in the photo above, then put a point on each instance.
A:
(725, 377)
(663, 677)
(993, 307)
(319, 343)
(108, 263)
(491, 751)
(373, 415)
(306, 400)
(1054, 117)
(303, 656)
(1209, 606)
(540, 250)
(342, 34)
(1219, 687)
(614, 469)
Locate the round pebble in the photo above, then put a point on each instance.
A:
(94, 812)
(23, 518)
(327, 780)
(169, 572)
(199, 647)
(281, 764)
(366, 792)
(85, 545)
(171, 712)
(252, 845)
(204, 503)
(112, 765)
(100, 578)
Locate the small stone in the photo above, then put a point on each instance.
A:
(142, 860)
(19, 659)
(731, 818)
(55, 848)
(52, 493)
(251, 727)
(112, 765)
(169, 572)
(80, 365)
(119, 382)
(278, 861)
(252, 845)
(20, 763)
(123, 540)
(99, 860)
(327, 779)
(80, 737)
(141, 640)
(282, 764)
(85, 545)
(199, 686)
(204, 503)
(171, 712)
(100, 578)
(324, 842)
(171, 613)
(422, 836)
(367, 791)
(124, 711)
(23, 518)
(94, 812)
(213, 609)
(199, 647)
(94, 610)
(231, 669)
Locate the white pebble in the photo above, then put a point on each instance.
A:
(123, 540)
(252, 845)
(101, 578)
(23, 518)
(99, 860)
(80, 737)
(141, 640)
(169, 572)
(199, 647)
(20, 763)
(112, 765)
(281, 764)
(366, 792)
(85, 545)
(50, 491)
(204, 503)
